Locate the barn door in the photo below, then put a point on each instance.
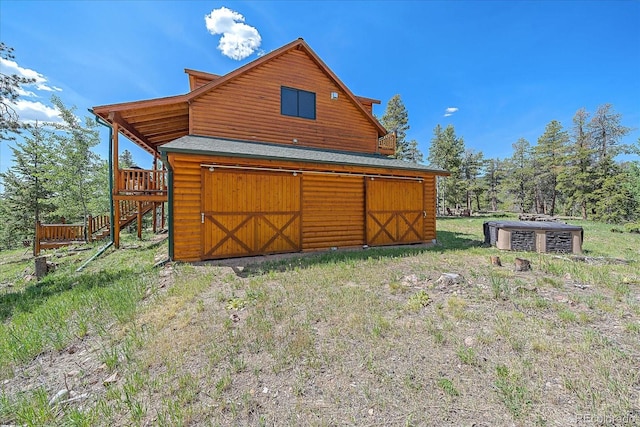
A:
(249, 213)
(395, 211)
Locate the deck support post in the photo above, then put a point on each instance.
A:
(115, 227)
(139, 224)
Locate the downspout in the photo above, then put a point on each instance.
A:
(111, 212)
(165, 162)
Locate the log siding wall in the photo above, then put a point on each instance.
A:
(248, 108)
(332, 207)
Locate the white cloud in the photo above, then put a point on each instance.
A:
(32, 111)
(238, 40)
(9, 67)
(450, 110)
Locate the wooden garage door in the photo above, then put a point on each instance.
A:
(249, 213)
(395, 211)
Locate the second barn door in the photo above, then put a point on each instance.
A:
(248, 212)
(394, 211)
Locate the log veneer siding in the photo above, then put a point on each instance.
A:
(332, 205)
(248, 108)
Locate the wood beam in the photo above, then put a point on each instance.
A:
(117, 118)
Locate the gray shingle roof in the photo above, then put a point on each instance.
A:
(259, 150)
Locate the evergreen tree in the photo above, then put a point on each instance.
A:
(76, 176)
(125, 160)
(492, 181)
(413, 154)
(9, 86)
(446, 152)
(575, 180)
(27, 195)
(472, 164)
(520, 173)
(549, 158)
(396, 119)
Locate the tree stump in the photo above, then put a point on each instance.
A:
(41, 267)
(522, 264)
(495, 260)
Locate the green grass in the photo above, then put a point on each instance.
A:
(341, 337)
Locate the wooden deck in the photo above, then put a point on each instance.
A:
(136, 193)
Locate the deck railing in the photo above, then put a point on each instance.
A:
(97, 223)
(141, 181)
(387, 143)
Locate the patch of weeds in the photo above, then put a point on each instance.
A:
(540, 346)
(447, 386)
(567, 316)
(34, 409)
(380, 326)
(549, 281)
(438, 334)
(171, 414)
(418, 300)
(396, 287)
(621, 291)
(632, 327)
(224, 383)
(468, 356)
(457, 306)
(511, 391)
(111, 358)
(499, 287)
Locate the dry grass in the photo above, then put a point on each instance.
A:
(371, 338)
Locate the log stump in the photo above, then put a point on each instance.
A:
(523, 264)
(41, 267)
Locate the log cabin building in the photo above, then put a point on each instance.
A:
(277, 156)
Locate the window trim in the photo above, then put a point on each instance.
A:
(298, 105)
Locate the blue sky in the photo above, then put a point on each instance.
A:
(504, 69)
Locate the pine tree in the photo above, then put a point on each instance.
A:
(76, 174)
(446, 152)
(396, 119)
(492, 181)
(472, 164)
(549, 157)
(575, 180)
(413, 154)
(27, 197)
(520, 173)
(125, 160)
(9, 87)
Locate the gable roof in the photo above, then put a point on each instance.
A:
(155, 122)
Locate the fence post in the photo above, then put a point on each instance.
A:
(36, 240)
(89, 228)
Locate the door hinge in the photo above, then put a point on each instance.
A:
(202, 217)
(424, 214)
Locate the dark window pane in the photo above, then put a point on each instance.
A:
(307, 104)
(289, 102)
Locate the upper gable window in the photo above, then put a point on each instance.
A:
(297, 103)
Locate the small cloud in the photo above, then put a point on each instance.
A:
(238, 40)
(32, 111)
(449, 111)
(9, 67)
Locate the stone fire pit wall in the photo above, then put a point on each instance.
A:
(539, 236)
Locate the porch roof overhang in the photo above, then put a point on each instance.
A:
(202, 145)
(149, 123)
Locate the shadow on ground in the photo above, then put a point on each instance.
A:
(258, 265)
